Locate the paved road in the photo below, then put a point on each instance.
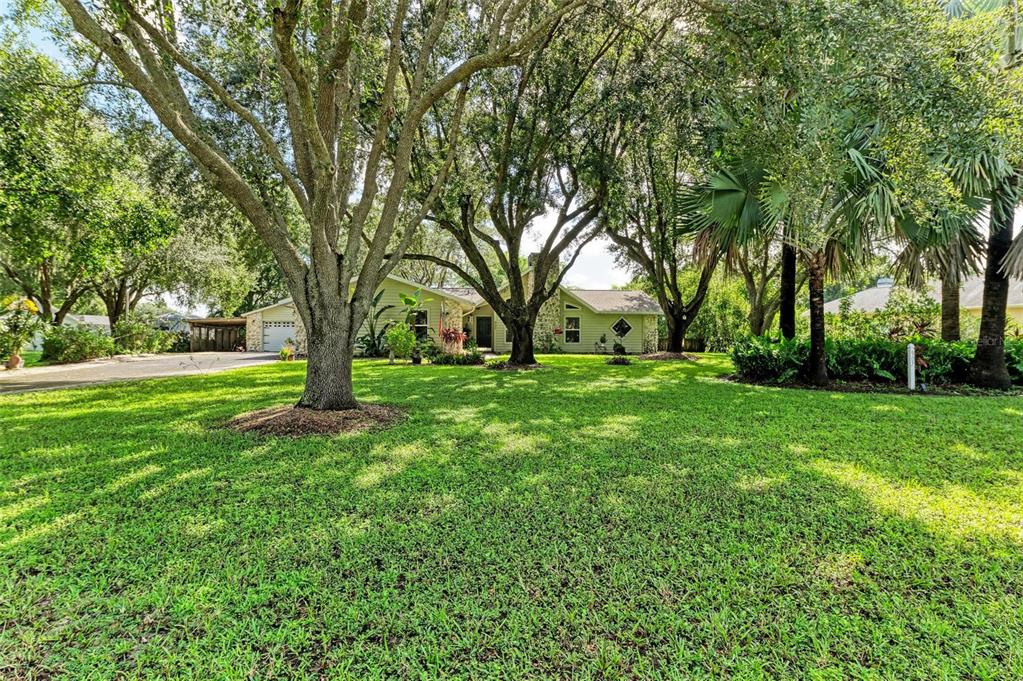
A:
(127, 369)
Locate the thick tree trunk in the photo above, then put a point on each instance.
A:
(817, 366)
(678, 324)
(950, 307)
(328, 378)
(522, 345)
(988, 368)
(115, 309)
(756, 319)
(787, 303)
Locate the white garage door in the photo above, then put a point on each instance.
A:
(275, 333)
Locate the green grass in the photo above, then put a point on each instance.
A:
(586, 521)
(33, 358)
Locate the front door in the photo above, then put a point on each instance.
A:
(485, 332)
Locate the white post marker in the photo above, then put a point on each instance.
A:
(911, 366)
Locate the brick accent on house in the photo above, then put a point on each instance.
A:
(650, 333)
(548, 317)
(254, 332)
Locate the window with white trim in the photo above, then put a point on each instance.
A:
(422, 324)
(572, 329)
(621, 327)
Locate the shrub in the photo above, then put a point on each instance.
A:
(134, 334)
(759, 359)
(181, 342)
(618, 360)
(619, 346)
(401, 339)
(907, 315)
(546, 343)
(1014, 358)
(471, 358)
(76, 344)
(17, 327)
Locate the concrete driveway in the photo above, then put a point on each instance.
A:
(127, 369)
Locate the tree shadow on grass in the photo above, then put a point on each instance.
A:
(581, 521)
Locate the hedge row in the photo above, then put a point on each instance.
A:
(762, 360)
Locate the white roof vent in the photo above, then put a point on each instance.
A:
(885, 282)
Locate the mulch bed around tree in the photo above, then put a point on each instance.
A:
(291, 421)
(668, 356)
(945, 390)
(504, 365)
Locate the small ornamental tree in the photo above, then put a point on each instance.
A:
(401, 339)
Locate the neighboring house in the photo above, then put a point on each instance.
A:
(171, 321)
(572, 319)
(971, 295)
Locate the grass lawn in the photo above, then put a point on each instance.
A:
(585, 520)
(33, 358)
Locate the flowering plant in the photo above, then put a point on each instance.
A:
(453, 335)
(557, 330)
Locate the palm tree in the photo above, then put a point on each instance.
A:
(951, 250)
(1004, 255)
(733, 210)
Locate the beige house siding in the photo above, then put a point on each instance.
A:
(591, 324)
(435, 305)
(279, 313)
(1015, 312)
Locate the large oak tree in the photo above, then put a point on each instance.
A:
(544, 138)
(333, 95)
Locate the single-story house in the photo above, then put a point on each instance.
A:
(971, 295)
(572, 319)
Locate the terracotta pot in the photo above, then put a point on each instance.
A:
(15, 362)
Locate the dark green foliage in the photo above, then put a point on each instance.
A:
(877, 360)
(135, 334)
(469, 358)
(181, 342)
(619, 360)
(76, 344)
(1014, 360)
(373, 343)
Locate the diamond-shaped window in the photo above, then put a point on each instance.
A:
(621, 327)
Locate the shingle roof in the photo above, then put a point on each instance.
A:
(467, 292)
(622, 302)
(970, 296)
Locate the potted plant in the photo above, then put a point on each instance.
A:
(601, 345)
(17, 328)
(287, 352)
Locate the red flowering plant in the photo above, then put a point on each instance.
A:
(557, 330)
(453, 335)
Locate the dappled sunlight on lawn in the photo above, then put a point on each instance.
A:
(578, 520)
(949, 510)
